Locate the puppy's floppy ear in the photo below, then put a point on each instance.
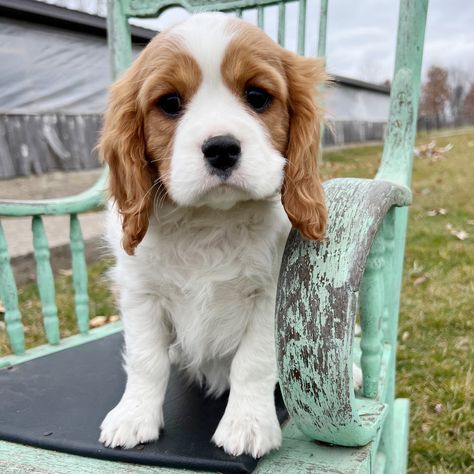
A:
(122, 146)
(302, 192)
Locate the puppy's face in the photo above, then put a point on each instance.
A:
(212, 113)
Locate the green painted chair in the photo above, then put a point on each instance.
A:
(322, 288)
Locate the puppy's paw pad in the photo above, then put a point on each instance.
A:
(357, 377)
(248, 434)
(129, 424)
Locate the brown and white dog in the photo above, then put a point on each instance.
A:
(211, 138)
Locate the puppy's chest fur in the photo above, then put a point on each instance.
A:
(210, 270)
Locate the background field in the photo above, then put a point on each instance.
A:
(435, 356)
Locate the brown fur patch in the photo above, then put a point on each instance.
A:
(293, 119)
(250, 60)
(137, 138)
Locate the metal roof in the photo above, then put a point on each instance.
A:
(52, 15)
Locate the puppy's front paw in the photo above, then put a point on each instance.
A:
(130, 423)
(246, 432)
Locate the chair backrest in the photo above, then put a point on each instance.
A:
(396, 162)
(119, 11)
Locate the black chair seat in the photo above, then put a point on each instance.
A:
(58, 402)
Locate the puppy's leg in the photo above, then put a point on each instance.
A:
(138, 416)
(250, 424)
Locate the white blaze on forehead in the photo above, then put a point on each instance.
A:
(206, 37)
(214, 110)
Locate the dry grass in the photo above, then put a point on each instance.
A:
(435, 355)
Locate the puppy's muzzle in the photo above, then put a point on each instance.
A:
(222, 154)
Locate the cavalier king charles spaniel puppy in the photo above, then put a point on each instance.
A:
(211, 137)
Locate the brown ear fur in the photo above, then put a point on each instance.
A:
(302, 192)
(122, 146)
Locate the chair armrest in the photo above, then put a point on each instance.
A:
(317, 301)
(92, 198)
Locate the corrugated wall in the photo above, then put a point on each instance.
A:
(35, 144)
(53, 90)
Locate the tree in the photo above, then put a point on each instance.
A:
(469, 103)
(435, 94)
(459, 85)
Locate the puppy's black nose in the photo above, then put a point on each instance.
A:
(222, 153)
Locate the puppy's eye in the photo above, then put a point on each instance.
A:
(170, 104)
(257, 98)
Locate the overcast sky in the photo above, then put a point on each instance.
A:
(362, 35)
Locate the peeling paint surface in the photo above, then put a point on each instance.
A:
(316, 308)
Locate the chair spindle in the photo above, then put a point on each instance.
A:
(45, 281)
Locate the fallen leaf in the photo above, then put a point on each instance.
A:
(425, 428)
(65, 271)
(405, 336)
(438, 408)
(459, 233)
(421, 279)
(97, 321)
(430, 150)
(463, 341)
(28, 304)
(2, 308)
(113, 318)
(441, 211)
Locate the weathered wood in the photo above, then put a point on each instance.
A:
(79, 275)
(118, 35)
(397, 157)
(316, 307)
(45, 281)
(301, 26)
(18, 459)
(153, 8)
(9, 296)
(298, 454)
(90, 199)
(66, 343)
(281, 24)
(260, 16)
(388, 230)
(322, 33)
(396, 166)
(319, 282)
(372, 302)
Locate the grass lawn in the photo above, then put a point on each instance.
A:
(435, 355)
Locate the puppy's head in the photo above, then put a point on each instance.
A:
(211, 113)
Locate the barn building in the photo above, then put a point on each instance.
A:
(53, 87)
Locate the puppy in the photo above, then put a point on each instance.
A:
(211, 138)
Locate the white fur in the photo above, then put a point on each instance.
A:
(215, 110)
(200, 289)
